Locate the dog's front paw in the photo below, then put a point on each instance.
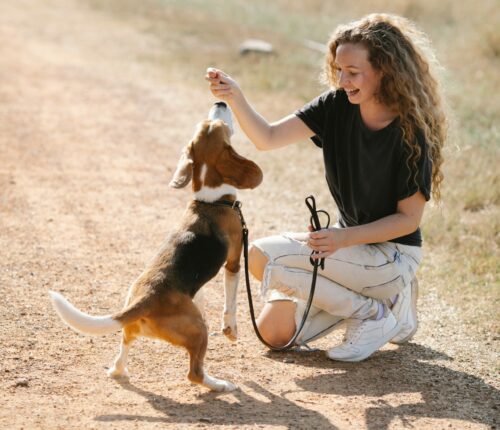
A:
(229, 327)
(230, 332)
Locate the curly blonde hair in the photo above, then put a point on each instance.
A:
(409, 82)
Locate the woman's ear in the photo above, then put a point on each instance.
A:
(237, 170)
(184, 171)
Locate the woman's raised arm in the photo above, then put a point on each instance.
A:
(264, 135)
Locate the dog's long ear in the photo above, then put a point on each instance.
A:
(237, 170)
(184, 171)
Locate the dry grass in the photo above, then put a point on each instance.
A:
(462, 234)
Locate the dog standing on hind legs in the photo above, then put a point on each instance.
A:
(160, 302)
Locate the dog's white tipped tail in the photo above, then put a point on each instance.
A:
(82, 322)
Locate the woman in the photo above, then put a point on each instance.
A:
(381, 128)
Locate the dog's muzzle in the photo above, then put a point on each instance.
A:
(222, 111)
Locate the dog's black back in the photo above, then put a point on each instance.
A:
(190, 258)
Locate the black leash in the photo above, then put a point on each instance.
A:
(316, 225)
(311, 204)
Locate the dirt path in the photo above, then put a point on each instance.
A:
(89, 139)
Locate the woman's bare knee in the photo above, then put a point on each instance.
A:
(272, 336)
(276, 322)
(257, 261)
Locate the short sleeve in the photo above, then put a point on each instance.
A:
(411, 180)
(314, 113)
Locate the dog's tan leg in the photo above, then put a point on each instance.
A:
(197, 348)
(199, 301)
(119, 368)
(186, 328)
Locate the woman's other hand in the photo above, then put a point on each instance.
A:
(327, 241)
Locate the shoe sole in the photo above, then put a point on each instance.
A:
(392, 333)
(414, 298)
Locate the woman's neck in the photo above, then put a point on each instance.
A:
(376, 116)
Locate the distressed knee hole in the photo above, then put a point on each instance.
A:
(257, 261)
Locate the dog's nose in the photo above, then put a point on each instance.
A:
(222, 111)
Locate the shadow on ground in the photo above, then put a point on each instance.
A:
(247, 410)
(445, 394)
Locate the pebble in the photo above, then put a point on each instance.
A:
(21, 382)
(205, 420)
(255, 45)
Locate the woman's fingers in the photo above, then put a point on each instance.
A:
(220, 87)
(213, 72)
(320, 247)
(218, 72)
(322, 242)
(321, 255)
(215, 75)
(319, 241)
(224, 92)
(320, 234)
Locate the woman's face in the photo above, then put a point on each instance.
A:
(355, 73)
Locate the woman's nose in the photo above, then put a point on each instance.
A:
(342, 79)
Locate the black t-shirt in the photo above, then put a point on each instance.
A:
(367, 171)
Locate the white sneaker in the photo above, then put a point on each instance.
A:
(364, 337)
(405, 311)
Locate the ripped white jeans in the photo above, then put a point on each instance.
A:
(355, 279)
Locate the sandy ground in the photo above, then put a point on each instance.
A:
(89, 139)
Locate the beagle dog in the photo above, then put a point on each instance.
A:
(160, 302)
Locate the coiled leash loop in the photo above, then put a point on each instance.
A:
(315, 223)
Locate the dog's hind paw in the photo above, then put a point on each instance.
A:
(229, 386)
(230, 332)
(219, 385)
(115, 372)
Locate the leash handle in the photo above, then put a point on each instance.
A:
(316, 225)
(311, 204)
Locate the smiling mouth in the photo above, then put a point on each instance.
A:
(351, 92)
